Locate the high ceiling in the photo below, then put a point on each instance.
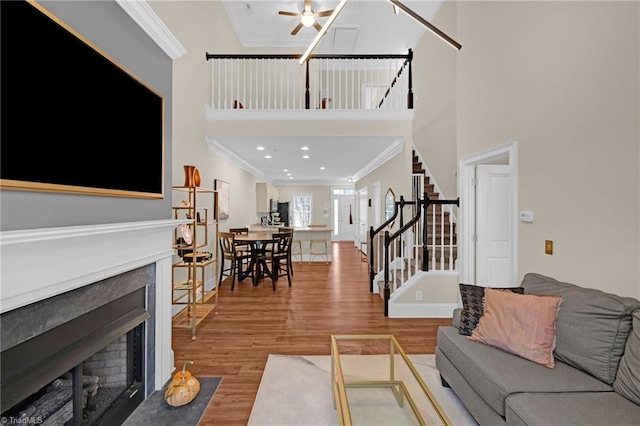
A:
(363, 27)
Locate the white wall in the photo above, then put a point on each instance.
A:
(561, 78)
(201, 27)
(434, 80)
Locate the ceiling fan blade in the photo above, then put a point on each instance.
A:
(296, 29)
(317, 26)
(324, 13)
(284, 12)
(307, 5)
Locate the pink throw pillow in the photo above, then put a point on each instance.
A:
(521, 324)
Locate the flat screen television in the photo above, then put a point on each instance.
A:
(72, 118)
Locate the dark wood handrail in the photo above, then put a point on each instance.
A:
(397, 76)
(423, 205)
(397, 210)
(296, 56)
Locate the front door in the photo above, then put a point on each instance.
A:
(343, 215)
(493, 226)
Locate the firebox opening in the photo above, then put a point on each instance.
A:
(104, 389)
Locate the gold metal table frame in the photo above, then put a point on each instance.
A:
(339, 385)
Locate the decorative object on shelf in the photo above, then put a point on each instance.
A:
(190, 173)
(222, 208)
(183, 388)
(187, 236)
(201, 256)
(196, 177)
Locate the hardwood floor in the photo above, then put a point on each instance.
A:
(254, 322)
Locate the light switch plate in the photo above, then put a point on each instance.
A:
(526, 216)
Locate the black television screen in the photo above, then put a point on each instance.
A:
(72, 118)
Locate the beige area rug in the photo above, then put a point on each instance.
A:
(296, 391)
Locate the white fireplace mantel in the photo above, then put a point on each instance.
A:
(36, 264)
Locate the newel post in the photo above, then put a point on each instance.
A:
(410, 94)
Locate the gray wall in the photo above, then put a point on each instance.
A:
(108, 26)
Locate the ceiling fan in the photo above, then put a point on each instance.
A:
(307, 17)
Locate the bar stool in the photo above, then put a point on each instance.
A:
(318, 248)
(296, 250)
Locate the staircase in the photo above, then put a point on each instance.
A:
(442, 238)
(405, 251)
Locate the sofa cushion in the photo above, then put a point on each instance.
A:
(627, 381)
(521, 324)
(571, 408)
(495, 374)
(592, 325)
(472, 297)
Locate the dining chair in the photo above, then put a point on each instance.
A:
(240, 245)
(294, 242)
(278, 258)
(235, 256)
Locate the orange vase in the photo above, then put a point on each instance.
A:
(196, 177)
(188, 175)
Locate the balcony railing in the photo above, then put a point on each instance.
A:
(280, 82)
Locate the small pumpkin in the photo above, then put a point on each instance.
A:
(183, 388)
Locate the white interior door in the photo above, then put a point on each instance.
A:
(363, 220)
(493, 226)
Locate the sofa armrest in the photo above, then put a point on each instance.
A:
(456, 317)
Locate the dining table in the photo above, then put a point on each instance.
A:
(257, 241)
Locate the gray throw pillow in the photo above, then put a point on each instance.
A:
(473, 306)
(627, 381)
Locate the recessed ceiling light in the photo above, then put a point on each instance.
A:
(288, 174)
(305, 156)
(267, 156)
(285, 170)
(305, 148)
(322, 168)
(260, 148)
(290, 177)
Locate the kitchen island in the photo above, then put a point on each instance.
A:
(305, 235)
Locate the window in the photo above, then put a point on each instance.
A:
(301, 211)
(344, 191)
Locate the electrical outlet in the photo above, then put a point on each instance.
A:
(418, 294)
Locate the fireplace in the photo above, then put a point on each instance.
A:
(70, 294)
(78, 358)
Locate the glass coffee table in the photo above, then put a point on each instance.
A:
(373, 382)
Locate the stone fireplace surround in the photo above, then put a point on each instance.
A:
(39, 264)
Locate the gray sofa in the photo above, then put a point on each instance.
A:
(596, 378)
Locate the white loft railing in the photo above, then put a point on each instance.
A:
(267, 82)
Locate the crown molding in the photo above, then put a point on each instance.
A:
(148, 20)
(216, 148)
(385, 156)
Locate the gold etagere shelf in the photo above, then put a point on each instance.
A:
(191, 291)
